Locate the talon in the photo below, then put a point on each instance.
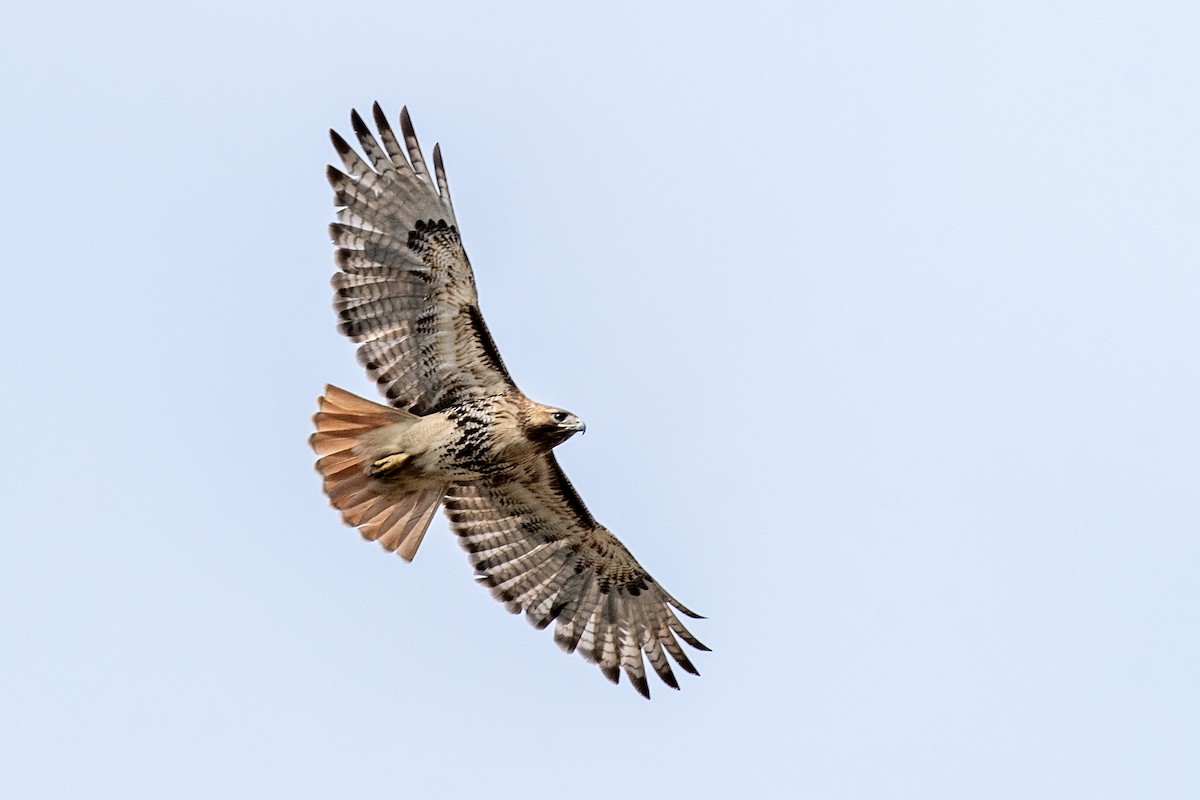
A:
(388, 465)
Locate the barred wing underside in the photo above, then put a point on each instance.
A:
(534, 544)
(405, 289)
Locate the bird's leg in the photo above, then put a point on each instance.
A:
(388, 466)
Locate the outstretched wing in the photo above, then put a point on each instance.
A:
(405, 288)
(534, 544)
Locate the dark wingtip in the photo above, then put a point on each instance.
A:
(406, 125)
(680, 607)
(686, 635)
(380, 118)
(640, 683)
(687, 665)
(339, 144)
(612, 673)
(567, 644)
(357, 123)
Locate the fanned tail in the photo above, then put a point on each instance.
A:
(395, 517)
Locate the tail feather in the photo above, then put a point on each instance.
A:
(394, 516)
(401, 528)
(336, 463)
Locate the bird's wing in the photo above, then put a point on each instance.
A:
(404, 288)
(536, 546)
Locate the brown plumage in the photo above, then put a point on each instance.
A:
(458, 430)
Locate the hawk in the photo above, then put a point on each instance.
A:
(458, 432)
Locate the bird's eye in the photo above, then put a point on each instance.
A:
(559, 416)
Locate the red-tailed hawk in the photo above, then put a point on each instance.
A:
(459, 431)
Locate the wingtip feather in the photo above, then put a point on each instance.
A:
(356, 122)
(339, 144)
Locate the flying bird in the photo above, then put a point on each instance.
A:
(457, 431)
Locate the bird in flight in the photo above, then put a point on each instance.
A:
(457, 431)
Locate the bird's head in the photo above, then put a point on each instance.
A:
(549, 426)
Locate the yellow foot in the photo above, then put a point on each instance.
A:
(388, 466)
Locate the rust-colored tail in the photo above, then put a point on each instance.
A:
(394, 517)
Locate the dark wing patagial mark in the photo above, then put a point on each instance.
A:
(558, 482)
(486, 344)
(404, 288)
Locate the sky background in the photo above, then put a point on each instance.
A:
(884, 319)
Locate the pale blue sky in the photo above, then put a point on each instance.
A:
(883, 318)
